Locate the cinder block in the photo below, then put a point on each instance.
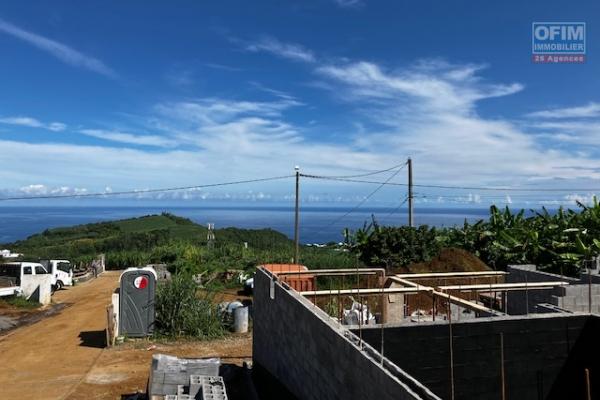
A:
(195, 385)
(213, 388)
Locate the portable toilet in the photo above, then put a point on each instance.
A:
(136, 302)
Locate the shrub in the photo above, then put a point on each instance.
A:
(179, 312)
(398, 246)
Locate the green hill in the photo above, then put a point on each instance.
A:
(152, 238)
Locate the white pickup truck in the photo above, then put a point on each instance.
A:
(11, 275)
(62, 272)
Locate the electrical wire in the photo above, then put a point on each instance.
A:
(401, 165)
(142, 191)
(505, 189)
(395, 210)
(363, 201)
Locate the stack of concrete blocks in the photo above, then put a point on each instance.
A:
(171, 375)
(574, 297)
(201, 388)
(162, 272)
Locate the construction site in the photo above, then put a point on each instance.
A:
(363, 334)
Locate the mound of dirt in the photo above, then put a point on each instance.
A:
(449, 260)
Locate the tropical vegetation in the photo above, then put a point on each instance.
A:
(180, 312)
(557, 241)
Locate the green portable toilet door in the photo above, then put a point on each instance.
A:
(136, 303)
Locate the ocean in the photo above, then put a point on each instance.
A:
(318, 224)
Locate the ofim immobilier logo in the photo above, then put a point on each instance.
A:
(558, 42)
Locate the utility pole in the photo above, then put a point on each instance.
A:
(210, 235)
(296, 232)
(411, 221)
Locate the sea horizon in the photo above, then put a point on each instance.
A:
(319, 223)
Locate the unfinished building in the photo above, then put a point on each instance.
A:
(420, 337)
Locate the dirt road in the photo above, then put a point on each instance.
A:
(47, 360)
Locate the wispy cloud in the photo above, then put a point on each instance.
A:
(275, 92)
(213, 110)
(577, 126)
(59, 50)
(129, 138)
(180, 77)
(590, 110)
(438, 84)
(349, 3)
(290, 51)
(429, 111)
(222, 67)
(33, 123)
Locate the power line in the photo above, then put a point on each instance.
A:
(401, 165)
(505, 189)
(363, 201)
(395, 210)
(141, 191)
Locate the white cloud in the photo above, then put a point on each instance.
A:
(222, 67)
(349, 3)
(439, 85)
(59, 50)
(33, 123)
(129, 138)
(290, 51)
(219, 140)
(429, 111)
(94, 167)
(243, 133)
(588, 111)
(581, 131)
(43, 190)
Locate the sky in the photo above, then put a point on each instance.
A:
(111, 96)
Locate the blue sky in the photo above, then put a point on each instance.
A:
(116, 96)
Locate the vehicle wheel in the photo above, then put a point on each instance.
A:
(59, 285)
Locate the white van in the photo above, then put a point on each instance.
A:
(11, 275)
(62, 272)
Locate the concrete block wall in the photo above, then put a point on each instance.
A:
(313, 356)
(576, 298)
(37, 288)
(545, 356)
(572, 298)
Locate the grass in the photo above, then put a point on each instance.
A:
(20, 302)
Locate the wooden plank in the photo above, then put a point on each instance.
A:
(364, 292)
(334, 271)
(500, 286)
(451, 274)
